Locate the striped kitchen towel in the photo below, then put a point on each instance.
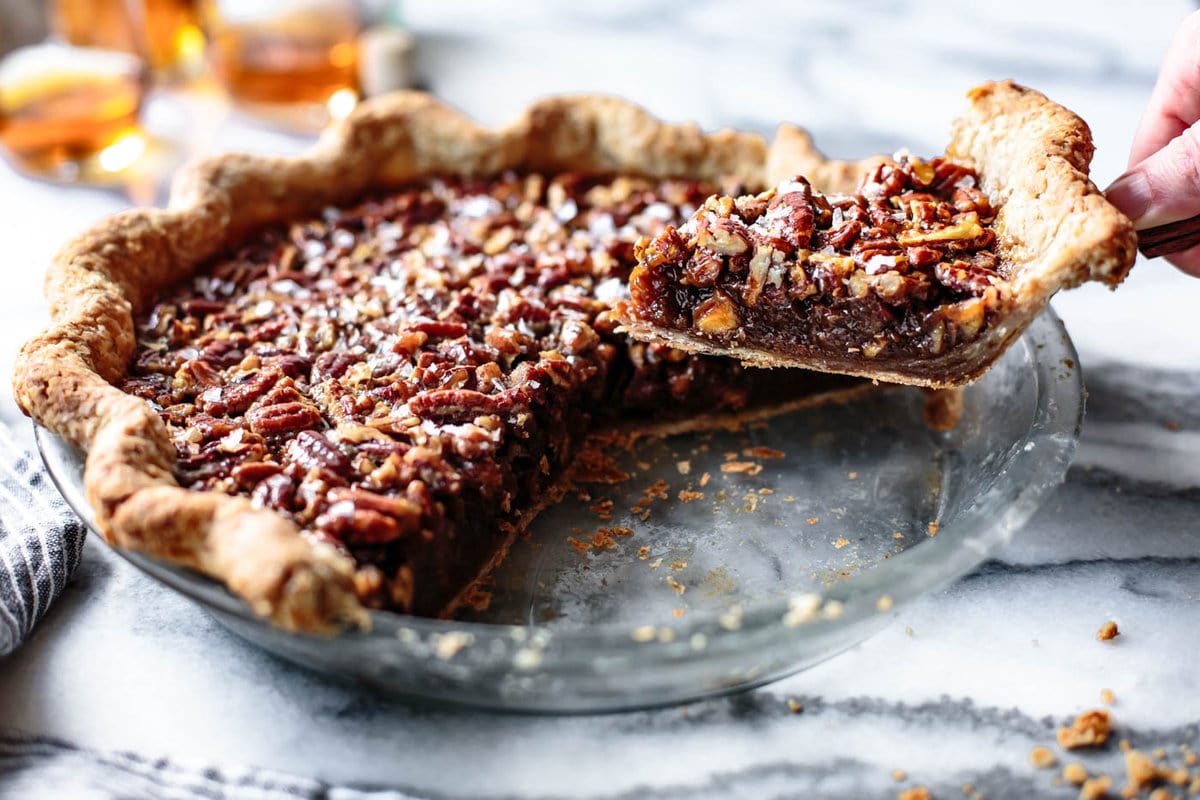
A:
(40, 542)
(44, 768)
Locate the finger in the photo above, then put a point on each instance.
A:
(1175, 102)
(1165, 187)
(1188, 260)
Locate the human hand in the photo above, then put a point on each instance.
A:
(1162, 183)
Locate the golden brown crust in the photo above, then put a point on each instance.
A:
(101, 279)
(1055, 229)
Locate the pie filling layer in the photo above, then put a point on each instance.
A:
(409, 378)
(904, 268)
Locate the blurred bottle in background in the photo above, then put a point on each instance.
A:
(286, 54)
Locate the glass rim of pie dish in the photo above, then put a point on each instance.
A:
(609, 666)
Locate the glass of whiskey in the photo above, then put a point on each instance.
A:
(295, 61)
(166, 33)
(71, 113)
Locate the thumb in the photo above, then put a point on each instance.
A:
(1163, 187)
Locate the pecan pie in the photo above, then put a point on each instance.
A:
(922, 274)
(347, 380)
(407, 378)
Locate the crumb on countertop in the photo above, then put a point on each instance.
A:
(1075, 773)
(1042, 758)
(1090, 729)
(1108, 631)
(1095, 788)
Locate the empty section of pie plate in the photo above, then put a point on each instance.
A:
(808, 531)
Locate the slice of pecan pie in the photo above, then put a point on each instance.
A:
(348, 379)
(923, 273)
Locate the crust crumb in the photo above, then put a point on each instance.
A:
(915, 793)
(899, 775)
(1095, 788)
(1140, 772)
(1106, 696)
(684, 467)
(1108, 631)
(794, 705)
(840, 542)
(1090, 729)
(603, 510)
(657, 490)
(812, 520)
(763, 453)
(932, 530)
(747, 467)
(704, 479)
(1042, 758)
(676, 585)
(1075, 773)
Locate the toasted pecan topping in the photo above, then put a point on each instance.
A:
(404, 377)
(905, 265)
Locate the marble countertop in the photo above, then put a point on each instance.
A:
(993, 664)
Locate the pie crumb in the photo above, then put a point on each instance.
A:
(1042, 758)
(1140, 771)
(899, 775)
(1107, 631)
(794, 705)
(1075, 773)
(684, 467)
(763, 453)
(932, 530)
(1106, 696)
(841, 542)
(915, 793)
(1090, 729)
(1095, 788)
(813, 520)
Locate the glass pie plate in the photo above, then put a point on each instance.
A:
(729, 558)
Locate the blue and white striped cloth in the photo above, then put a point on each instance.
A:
(40, 545)
(40, 542)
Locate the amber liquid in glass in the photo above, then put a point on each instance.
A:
(165, 32)
(69, 124)
(304, 57)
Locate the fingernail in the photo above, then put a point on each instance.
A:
(1130, 193)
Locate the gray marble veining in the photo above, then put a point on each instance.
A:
(992, 665)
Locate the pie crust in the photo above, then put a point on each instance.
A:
(1032, 155)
